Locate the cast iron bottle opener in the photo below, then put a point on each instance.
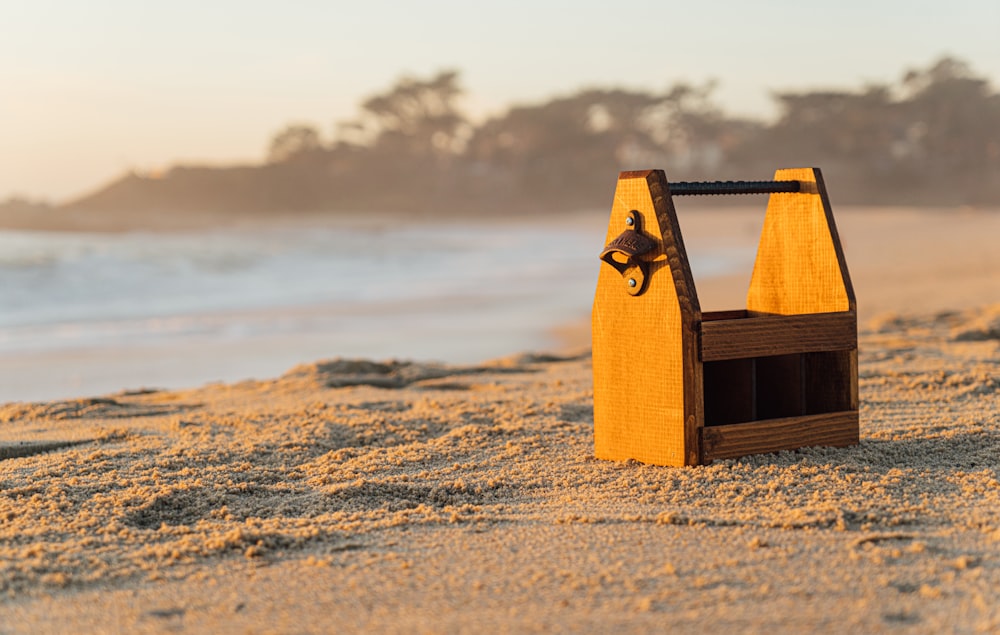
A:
(624, 254)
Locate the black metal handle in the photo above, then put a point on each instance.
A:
(694, 188)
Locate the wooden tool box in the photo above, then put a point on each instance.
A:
(675, 386)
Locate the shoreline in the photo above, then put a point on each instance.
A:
(901, 261)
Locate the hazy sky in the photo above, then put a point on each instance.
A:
(91, 88)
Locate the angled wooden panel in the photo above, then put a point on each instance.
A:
(647, 378)
(800, 265)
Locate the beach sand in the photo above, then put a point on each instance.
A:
(352, 495)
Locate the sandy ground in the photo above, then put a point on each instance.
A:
(405, 497)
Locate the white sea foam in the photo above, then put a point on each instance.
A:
(452, 293)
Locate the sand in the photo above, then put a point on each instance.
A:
(353, 495)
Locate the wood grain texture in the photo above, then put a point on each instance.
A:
(837, 429)
(647, 379)
(800, 266)
(778, 335)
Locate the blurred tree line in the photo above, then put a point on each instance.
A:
(932, 138)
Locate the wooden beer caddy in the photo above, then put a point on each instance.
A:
(676, 386)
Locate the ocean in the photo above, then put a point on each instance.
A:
(83, 314)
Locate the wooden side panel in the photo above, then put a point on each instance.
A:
(730, 394)
(778, 387)
(778, 335)
(647, 378)
(734, 314)
(800, 265)
(837, 429)
(830, 381)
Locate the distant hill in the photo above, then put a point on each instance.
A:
(17, 205)
(185, 189)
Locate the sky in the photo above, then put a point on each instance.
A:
(90, 89)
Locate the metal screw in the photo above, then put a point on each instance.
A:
(629, 221)
(631, 282)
